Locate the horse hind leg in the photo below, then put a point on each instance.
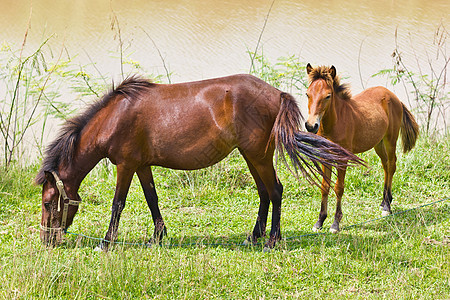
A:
(275, 191)
(148, 186)
(261, 221)
(392, 166)
(385, 205)
(269, 189)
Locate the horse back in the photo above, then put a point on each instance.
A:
(375, 113)
(379, 102)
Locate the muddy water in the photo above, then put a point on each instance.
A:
(202, 38)
(199, 39)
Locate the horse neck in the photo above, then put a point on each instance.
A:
(73, 173)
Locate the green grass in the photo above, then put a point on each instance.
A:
(210, 212)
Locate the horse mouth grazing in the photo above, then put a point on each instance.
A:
(52, 238)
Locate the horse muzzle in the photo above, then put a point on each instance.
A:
(312, 126)
(51, 237)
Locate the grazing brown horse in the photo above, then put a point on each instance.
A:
(371, 119)
(184, 126)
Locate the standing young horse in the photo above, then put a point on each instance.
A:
(180, 126)
(371, 119)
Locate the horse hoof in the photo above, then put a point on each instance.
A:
(267, 249)
(153, 242)
(316, 229)
(247, 243)
(99, 248)
(385, 213)
(334, 230)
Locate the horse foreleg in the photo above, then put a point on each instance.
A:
(325, 189)
(339, 190)
(148, 186)
(124, 177)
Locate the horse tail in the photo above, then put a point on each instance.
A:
(305, 150)
(409, 130)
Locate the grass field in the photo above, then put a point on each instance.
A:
(210, 212)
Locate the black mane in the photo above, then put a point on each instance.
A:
(62, 149)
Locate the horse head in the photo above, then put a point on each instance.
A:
(58, 210)
(319, 93)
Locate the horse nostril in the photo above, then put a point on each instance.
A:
(312, 128)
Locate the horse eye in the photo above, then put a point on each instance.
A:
(328, 97)
(47, 205)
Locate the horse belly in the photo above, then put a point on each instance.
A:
(370, 129)
(191, 145)
(198, 154)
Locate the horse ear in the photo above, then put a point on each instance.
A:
(333, 72)
(49, 176)
(309, 68)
